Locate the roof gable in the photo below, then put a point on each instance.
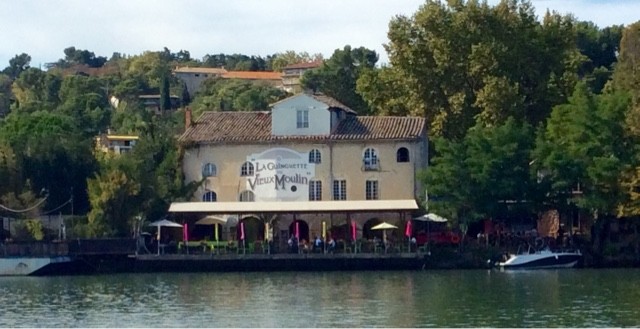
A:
(330, 102)
(303, 65)
(252, 75)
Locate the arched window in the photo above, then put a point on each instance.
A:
(209, 170)
(402, 155)
(246, 169)
(370, 159)
(210, 196)
(247, 196)
(314, 156)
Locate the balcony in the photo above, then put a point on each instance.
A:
(371, 165)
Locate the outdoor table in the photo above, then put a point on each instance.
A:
(216, 245)
(193, 244)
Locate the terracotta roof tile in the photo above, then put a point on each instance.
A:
(305, 65)
(322, 98)
(255, 127)
(209, 70)
(252, 75)
(331, 102)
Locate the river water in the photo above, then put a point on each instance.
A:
(456, 298)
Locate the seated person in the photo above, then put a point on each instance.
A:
(331, 245)
(318, 244)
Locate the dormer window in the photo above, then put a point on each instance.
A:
(302, 118)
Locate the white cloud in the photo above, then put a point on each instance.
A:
(44, 28)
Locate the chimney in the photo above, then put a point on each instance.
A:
(187, 118)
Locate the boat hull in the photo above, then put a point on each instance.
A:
(23, 266)
(542, 261)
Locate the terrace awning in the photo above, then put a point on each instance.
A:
(294, 207)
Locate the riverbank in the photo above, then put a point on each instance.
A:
(101, 256)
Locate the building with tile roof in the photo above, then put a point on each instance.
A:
(193, 77)
(115, 144)
(291, 75)
(308, 148)
(274, 78)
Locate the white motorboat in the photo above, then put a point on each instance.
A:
(539, 259)
(19, 266)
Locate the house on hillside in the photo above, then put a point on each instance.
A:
(152, 102)
(291, 75)
(115, 144)
(193, 77)
(272, 78)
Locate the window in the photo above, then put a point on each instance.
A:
(197, 74)
(402, 155)
(246, 169)
(315, 190)
(209, 170)
(302, 118)
(340, 189)
(314, 156)
(210, 196)
(371, 190)
(247, 196)
(370, 159)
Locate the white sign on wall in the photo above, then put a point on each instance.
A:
(280, 174)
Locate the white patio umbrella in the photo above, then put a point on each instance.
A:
(213, 220)
(384, 226)
(163, 222)
(430, 217)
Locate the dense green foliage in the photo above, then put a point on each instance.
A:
(525, 115)
(337, 76)
(235, 95)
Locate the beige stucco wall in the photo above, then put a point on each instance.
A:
(339, 161)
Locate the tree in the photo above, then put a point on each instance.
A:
(17, 65)
(112, 193)
(337, 76)
(5, 94)
(585, 146)
(626, 77)
(387, 92)
(280, 60)
(82, 98)
(235, 95)
(165, 95)
(185, 98)
(600, 46)
(79, 56)
(485, 175)
(53, 155)
(469, 62)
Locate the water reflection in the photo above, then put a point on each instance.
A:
(573, 298)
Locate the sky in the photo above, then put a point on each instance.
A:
(43, 29)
